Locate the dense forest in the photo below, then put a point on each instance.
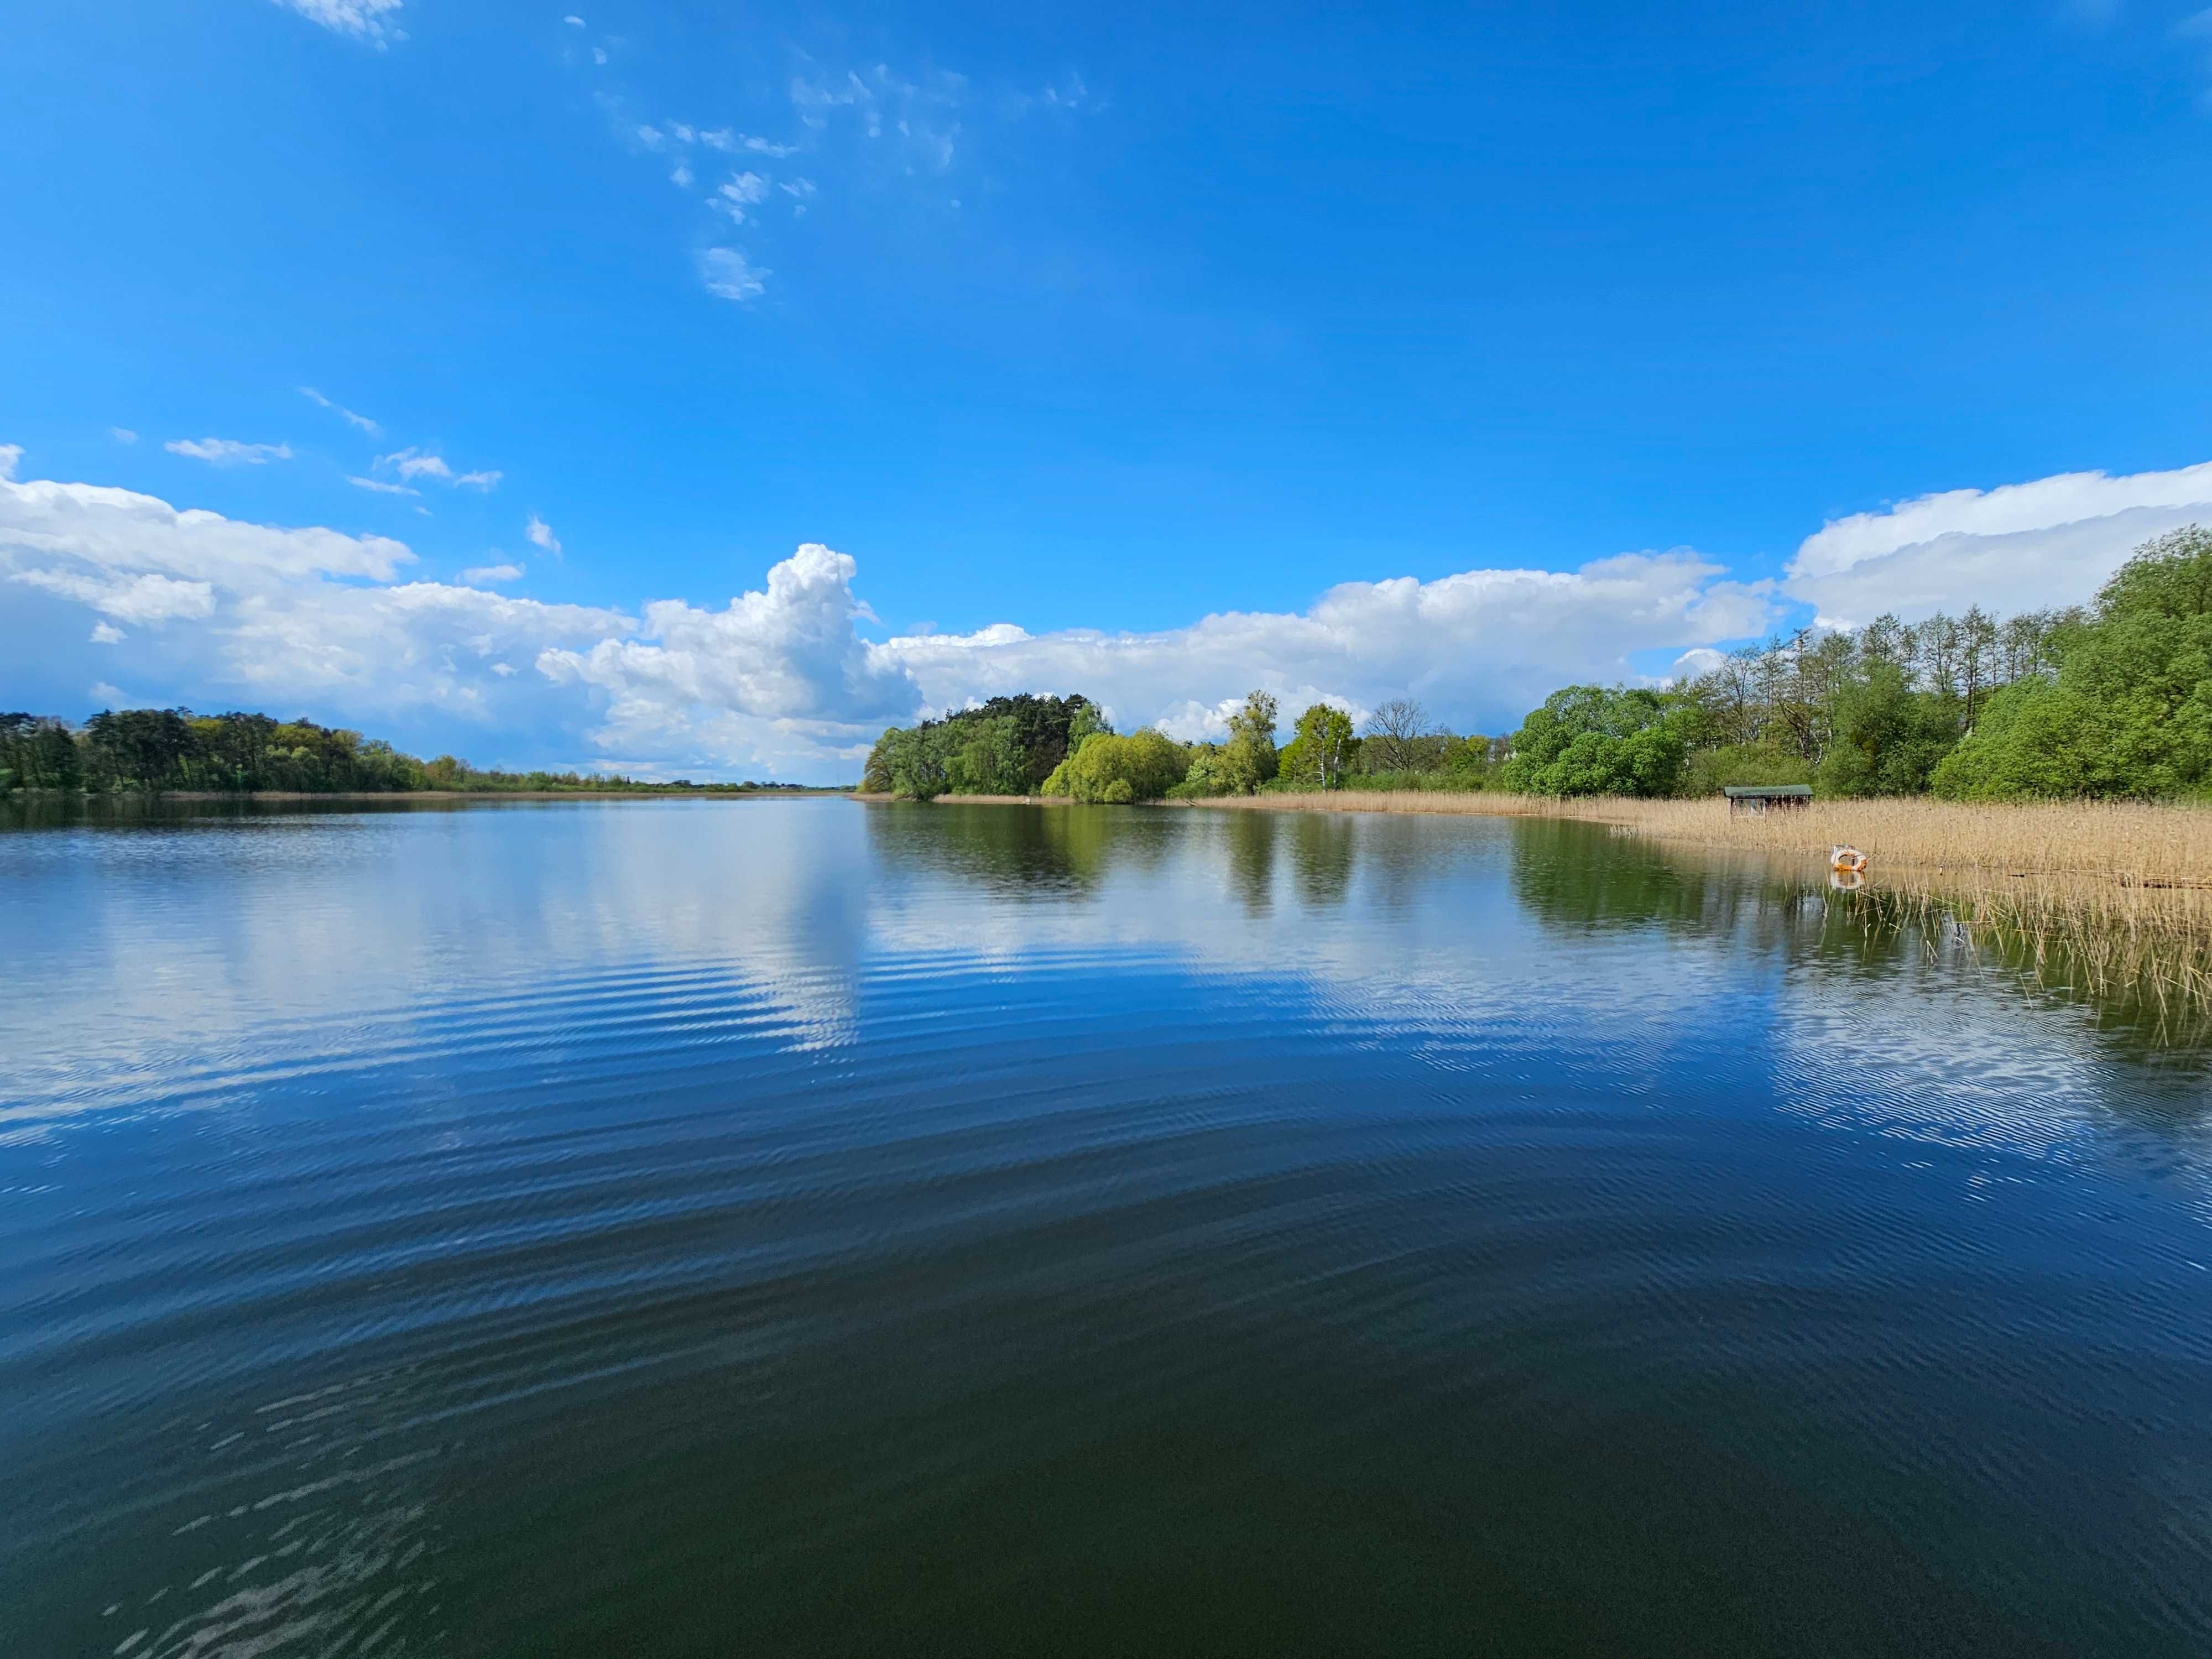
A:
(154, 750)
(2108, 701)
(1007, 746)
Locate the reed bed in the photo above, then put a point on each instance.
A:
(2110, 901)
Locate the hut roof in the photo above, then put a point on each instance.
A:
(1768, 791)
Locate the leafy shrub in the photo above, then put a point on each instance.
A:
(1587, 740)
(1110, 771)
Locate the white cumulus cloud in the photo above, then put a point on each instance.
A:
(789, 653)
(785, 675)
(303, 617)
(2018, 547)
(541, 535)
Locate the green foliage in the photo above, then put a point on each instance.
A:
(41, 753)
(1249, 759)
(2169, 576)
(152, 751)
(2129, 712)
(1469, 762)
(1587, 740)
(1206, 775)
(1110, 771)
(1007, 746)
(914, 760)
(1086, 722)
(1887, 737)
(1708, 771)
(1865, 711)
(1321, 752)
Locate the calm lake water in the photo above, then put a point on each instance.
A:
(797, 1226)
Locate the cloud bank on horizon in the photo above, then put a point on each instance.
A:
(184, 606)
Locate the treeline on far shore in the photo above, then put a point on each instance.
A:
(2108, 701)
(166, 751)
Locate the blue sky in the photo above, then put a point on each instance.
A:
(1153, 354)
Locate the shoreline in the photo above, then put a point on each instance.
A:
(2106, 897)
(878, 798)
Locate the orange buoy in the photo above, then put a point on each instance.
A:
(1849, 860)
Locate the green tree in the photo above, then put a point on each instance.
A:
(1588, 740)
(1249, 759)
(139, 749)
(1888, 737)
(41, 751)
(1114, 771)
(985, 757)
(1085, 721)
(1320, 753)
(2129, 713)
(918, 770)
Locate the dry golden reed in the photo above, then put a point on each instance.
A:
(2111, 899)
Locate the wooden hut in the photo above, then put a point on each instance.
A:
(1758, 798)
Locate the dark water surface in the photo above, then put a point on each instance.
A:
(794, 1226)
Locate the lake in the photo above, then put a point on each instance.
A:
(803, 1226)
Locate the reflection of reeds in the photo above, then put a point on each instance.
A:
(2113, 901)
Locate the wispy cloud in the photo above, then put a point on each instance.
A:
(1066, 95)
(413, 463)
(228, 452)
(730, 276)
(373, 21)
(492, 573)
(884, 104)
(730, 142)
(340, 411)
(106, 634)
(381, 486)
(541, 536)
(573, 21)
(875, 117)
(122, 435)
(742, 190)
